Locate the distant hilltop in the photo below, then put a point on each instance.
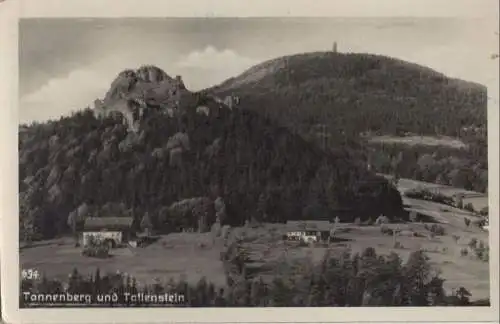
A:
(356, 92)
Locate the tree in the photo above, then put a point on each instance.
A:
(463, 296)
(473, 243)
(146, 224)
(72, 223)
(467, 221)
(469, 207)
(413, 217)
(262, 206)
(417, 271)
(27, 230)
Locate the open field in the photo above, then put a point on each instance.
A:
(439, 212)
(180, 254)
(173, 256)
(420, 140)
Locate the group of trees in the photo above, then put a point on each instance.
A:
(84, 160)
(366, 279)
(462, 168)
(354, 93)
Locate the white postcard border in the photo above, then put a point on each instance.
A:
(11, 10)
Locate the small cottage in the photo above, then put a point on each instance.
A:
(110, 230)
(309, 231)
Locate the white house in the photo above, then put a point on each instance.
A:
(110, 230)
(308, 231)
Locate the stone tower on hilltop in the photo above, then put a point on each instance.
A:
(334, 49)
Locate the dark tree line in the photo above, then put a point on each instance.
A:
(239, 155)
(366, 279)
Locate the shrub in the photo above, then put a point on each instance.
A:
(482, 251)
(96, 248)
(368, 222)
(96, 251)
(479, 223)
(437, 229)
(464, 252)
(456, 238)
(413, 217)
(472, 243)
(417, 234)
(385, 230)
(382, 220)
(479, 253)
(486, 255)
(467, 221)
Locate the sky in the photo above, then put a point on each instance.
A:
(64, 64)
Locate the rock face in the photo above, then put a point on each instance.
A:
(133, 92)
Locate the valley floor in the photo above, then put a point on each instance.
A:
(193, 255)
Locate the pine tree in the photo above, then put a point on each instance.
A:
(146, 224)
(416, 273)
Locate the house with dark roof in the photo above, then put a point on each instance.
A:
(110, 230)
(309, 231)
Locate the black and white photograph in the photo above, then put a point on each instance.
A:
(254, 162)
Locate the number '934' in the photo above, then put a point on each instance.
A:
(30, 274)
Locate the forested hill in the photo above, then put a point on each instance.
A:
(354, 93)
(262, 171)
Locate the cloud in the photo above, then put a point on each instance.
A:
(213, 59)
(62, 95)
(77, 89)
(217, 66)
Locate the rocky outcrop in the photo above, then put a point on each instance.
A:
(149, 87)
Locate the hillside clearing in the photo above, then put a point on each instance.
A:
(448, 191)
(420, 140)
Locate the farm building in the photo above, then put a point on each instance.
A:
(308, 231)
(111, 230)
